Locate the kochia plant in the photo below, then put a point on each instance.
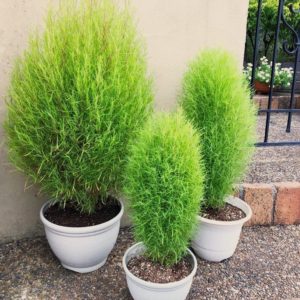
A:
(77, 95)
(164, 181)
(216, 99)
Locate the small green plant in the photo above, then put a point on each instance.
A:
(283, 76)
(164, 182)
(215, 98)
(77, 96)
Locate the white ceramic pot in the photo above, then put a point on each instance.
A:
(217, 240)
(82, 249)
(144, 290)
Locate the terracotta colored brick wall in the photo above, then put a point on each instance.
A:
(278, 102)
(277, 203)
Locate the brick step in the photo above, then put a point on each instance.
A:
(274, 203)
(278, 101)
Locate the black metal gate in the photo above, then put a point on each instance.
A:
(291, 48)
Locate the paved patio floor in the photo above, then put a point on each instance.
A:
(266, 265)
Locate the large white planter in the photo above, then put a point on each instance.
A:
(217, 240)
(144, 290)
(82, 249)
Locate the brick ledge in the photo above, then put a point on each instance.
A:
(272, 204)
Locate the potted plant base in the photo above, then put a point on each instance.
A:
(216, 240)
(81, 242)
(141, 289)
(261, 87)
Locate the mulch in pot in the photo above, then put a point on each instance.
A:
(226, 213)
(70, 217)
(148, 270)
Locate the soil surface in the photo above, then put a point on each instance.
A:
(226, 213)
(70, 217)
(266, 265)
(148, 270)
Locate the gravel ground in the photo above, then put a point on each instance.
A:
(275, 164)
(266, 265)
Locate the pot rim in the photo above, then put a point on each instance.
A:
(264, 83)
(153, 285)
(80, 230)
(231, 200)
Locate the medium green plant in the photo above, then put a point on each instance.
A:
(77, 96)
(215, 98)
(164, 182)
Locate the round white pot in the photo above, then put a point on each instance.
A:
(144, 290)
(82, 249)
(217, 240)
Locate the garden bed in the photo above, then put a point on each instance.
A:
(265, 266)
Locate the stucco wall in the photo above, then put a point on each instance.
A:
(175, 30)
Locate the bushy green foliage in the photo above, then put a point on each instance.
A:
(215, 98)
(77, 95)
(164, 182)
(268, 26)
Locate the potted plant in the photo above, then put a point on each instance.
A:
(77, 96)
(163, 183)
(216, 99)
(282, 77)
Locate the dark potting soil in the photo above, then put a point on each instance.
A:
(70, 217)
(226, 213)
(148, 270)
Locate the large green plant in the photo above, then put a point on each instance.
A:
(77, 95)
(215, 98)
(164, 182)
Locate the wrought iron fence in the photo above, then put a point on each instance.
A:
(290, 49)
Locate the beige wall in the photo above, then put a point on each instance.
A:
(174, 30)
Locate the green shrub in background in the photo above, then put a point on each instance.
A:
(77, 95)
(215, 98)
(164, 181)
(267, 29)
